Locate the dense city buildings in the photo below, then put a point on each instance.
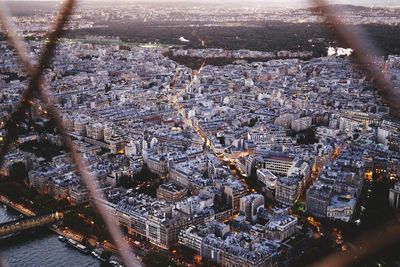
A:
(243, 160)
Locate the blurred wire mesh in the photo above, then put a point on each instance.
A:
(353, 37)
(356, 38)
(36, 84)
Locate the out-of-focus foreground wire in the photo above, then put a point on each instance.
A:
(356, 38)
(35, 72)
(13, 38)
(385, 236)
(36, 84)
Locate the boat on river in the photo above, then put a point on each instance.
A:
(78, 246)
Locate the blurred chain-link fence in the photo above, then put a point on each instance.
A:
(355, 39)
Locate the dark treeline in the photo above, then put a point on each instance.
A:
(269, 36)
(254, 35)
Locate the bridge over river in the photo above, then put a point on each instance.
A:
(20, 225)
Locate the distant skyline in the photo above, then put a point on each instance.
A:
(281, 3)
(354, 2)
(368, 3)
(272, 3)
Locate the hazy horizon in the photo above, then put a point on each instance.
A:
(272, 3)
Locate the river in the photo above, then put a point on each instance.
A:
(39, 249)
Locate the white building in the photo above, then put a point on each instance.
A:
(267, 178)
(394, 196)
(250, 204)
(301, 124)
(95, 131)
(281, 227)
(288, 190)
(341, 208)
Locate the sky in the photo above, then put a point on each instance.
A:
(353, 2)
(271, 3)
(288, 3)
(302, 3)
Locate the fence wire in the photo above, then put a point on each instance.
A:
(354, 38)
(37, 84)
(365, 52)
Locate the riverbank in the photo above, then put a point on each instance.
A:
(91, 243)
(17, 207)
(38, 248)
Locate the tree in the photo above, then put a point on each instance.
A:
(18, 171)
(85, 242)
(222, 140)
(106, 255)
(158, 259)
(126, 181)
(253, 122)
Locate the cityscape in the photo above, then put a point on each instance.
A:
(199, 133)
